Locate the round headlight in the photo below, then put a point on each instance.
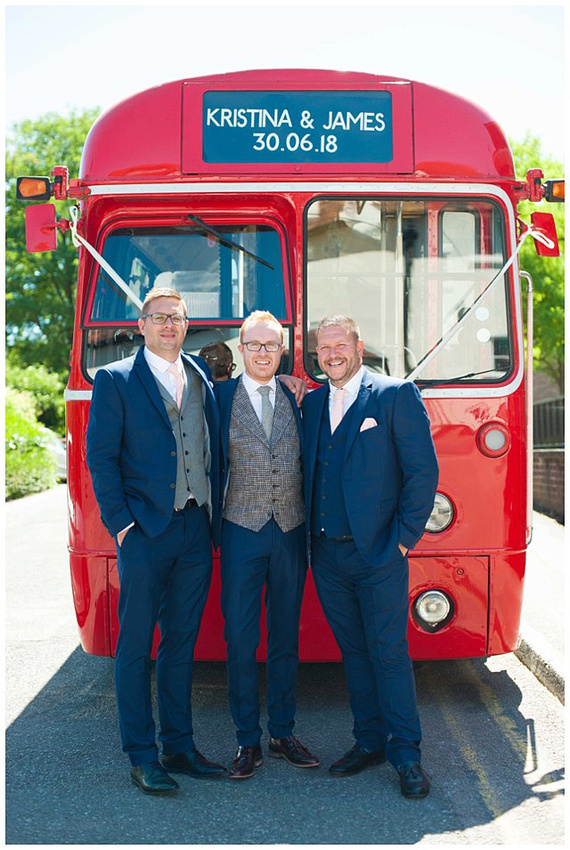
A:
(442, 514)
(432, 610)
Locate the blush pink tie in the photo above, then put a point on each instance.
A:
(337, 409)
(175, 372)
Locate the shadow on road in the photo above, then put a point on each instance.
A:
(68, 781)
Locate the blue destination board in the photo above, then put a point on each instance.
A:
(297, 127)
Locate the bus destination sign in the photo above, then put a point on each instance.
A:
(297, 127)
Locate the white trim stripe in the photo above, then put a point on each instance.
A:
(77, 395)
(320, 187)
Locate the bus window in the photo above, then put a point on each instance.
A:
(105, 345)
(407, 271)
(223, 272)
(220, 278)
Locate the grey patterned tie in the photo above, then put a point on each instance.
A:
(266, 410)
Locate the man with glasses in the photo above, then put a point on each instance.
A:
(152, 450)
(262, 544)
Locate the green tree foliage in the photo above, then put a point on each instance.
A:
(547, 272)
(40, 296)
(45, 387)
(30, 466)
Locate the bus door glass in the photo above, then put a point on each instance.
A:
(408, 271)
(223, 272)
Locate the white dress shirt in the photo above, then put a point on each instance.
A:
(159, 368)
(251, 387)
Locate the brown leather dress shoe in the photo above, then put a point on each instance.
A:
(293, 751)
(246, 759)
(193, 763)
(356, 760)
(153, 779)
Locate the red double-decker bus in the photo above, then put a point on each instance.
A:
(307, 193)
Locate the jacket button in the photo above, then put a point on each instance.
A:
(173, 486)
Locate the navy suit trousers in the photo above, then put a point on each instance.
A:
(250, 560)
(163, 579)
(367, 609)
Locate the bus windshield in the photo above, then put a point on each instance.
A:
(223, 272)
(407, 271)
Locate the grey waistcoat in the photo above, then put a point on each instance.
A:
(265, 478)
(192, 449)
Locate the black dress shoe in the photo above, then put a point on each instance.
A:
(193, 763)
(293, 751)
(246, 759)
(413, 781)
(153, 779)
(356, 760)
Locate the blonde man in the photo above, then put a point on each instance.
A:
(262, 545)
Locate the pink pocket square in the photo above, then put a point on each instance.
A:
(368, 423)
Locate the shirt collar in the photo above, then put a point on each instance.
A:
(252, 386)
(159, 363)
(351, 386)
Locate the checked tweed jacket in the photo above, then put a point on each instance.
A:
(265, 476)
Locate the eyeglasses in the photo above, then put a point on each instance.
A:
(271, 347)
(160, 318)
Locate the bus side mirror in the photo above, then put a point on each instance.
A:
(544, 222)
(40, 228)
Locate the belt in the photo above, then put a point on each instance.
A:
(191, 503)
(344, 539)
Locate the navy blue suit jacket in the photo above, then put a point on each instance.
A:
(225, 391)
(390, 470)
(131, 449)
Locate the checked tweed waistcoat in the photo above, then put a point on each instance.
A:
(265, 477)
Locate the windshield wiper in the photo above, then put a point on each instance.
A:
(213, 232)
(436, 382)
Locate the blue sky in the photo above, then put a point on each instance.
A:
(507, 58)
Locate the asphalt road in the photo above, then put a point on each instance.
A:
(493, 741)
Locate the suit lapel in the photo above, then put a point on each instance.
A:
(283, 414)
(148, 381)
(247, 415)
(356, 412)
(312, 437)
(189, 361)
